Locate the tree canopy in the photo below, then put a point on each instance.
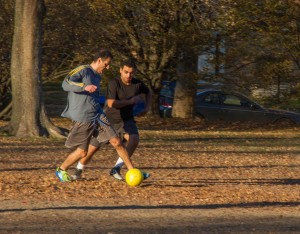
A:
(249, 44)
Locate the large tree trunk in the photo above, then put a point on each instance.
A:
(28, 112)
(155, 85)
(183, 106)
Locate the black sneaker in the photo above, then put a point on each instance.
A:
(77, 174)
(115, 172)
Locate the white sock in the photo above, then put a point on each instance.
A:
(119, 163)
(80, 166)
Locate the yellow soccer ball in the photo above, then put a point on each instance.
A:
(134, 177)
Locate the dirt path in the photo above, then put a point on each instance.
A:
(202, 181)
(142, 219)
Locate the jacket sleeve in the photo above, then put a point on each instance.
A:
(74, 82)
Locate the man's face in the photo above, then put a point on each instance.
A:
(126, 74)
(103, 64)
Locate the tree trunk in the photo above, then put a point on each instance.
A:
(183, 105)
(155, 85)
(28, 112)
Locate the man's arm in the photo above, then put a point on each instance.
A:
(75, 84)
(72, 85)
(121, 103)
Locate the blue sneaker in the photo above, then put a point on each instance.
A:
(146, 175)
(62, 175)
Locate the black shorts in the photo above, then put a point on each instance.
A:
(127, 127)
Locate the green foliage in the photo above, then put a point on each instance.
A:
(262, 44)
(71, 36)
(153, 32)
(6, 25)
(261, 39)
(291, 104)
(271, 71)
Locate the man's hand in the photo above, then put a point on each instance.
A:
(136, 99)
(143, 112)
(90, 88)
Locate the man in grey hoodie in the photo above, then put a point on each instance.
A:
(90, 125)
(122, 94)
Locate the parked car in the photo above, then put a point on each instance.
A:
(166, 97)
(214, 105)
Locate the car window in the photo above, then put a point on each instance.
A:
(245, 103)
(229, 99)
(212, 98)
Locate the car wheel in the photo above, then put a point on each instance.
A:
(165, 113)
(284, 122)
(200, 117)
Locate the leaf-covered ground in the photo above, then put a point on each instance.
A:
(204, 178)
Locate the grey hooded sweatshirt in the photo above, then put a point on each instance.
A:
(82, 106)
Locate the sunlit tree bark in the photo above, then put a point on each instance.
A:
(28, 112)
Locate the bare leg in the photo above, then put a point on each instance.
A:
(131, 144)
(74, 157)
(83, 161)
(122, 152)
(91, 151)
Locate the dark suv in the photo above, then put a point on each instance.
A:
(166, 97)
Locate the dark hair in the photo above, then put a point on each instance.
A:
(103, 54)
(128, 63)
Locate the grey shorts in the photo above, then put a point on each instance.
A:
(94, 133)
(80, 135)
(104, 131)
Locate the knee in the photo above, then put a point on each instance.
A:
(116, 142)
(82, 153)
